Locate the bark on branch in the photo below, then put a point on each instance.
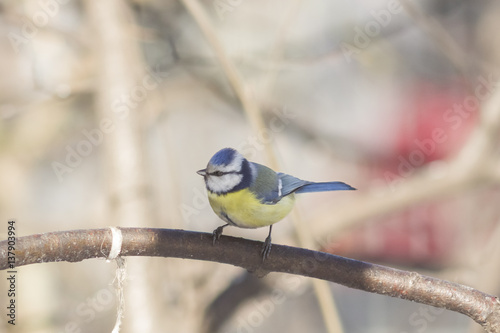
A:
(77, 245)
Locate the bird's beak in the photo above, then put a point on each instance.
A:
(202, 172)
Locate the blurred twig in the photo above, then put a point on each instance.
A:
(242, 91)
(119, 72)
(77, 245)
(475, 165)
(443, 40)
(324, 295)
(251, 108)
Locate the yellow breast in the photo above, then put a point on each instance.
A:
(246, 211)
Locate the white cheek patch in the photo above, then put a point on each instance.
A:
(223, 183)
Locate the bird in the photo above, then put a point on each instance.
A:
(245, 194)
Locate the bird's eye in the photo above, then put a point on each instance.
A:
(217, 173)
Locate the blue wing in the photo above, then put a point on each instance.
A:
(291, 184)
(327, 186)
(267, 188)
(265, 185)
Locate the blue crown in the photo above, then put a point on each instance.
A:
(223, 157)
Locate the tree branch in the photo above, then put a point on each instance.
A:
(77, 245)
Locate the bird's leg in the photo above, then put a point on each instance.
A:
(266, 249)
(218, 232)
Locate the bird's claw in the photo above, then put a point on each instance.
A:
(216, 234)
(266, 248)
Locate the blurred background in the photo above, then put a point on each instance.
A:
(108, 108)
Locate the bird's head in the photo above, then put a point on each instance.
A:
(227, 171)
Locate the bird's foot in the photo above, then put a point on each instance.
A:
(217, 233)
(266, 248)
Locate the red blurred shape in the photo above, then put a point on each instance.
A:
(435, 124)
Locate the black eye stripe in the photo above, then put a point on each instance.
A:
(221, 173)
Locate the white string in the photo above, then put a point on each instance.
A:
(120, 275)
(116, 243)
(120, 279)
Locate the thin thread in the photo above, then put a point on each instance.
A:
(120, 276)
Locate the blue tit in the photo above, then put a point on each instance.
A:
(250, 195)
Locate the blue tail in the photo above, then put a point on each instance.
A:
(322, 187)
